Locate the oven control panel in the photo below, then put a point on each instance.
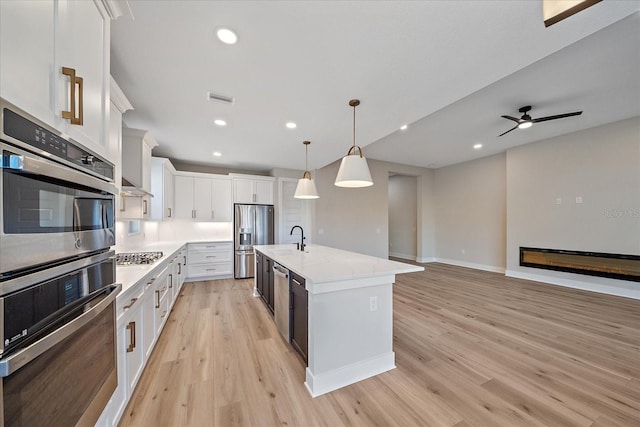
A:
(42, 141)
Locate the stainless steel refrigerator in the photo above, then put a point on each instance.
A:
(253, 225)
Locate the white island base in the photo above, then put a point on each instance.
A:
(350, 312)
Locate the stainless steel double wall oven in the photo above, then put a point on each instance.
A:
(57, 276)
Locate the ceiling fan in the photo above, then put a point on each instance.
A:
(526, 121)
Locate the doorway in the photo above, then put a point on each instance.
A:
(403, 216)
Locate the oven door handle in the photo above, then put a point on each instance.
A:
(26, 163)
(17, 360)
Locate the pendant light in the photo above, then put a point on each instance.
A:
(306, 188)
(354, 170)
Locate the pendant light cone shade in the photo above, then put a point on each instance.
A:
(354, 170)
(306, 188)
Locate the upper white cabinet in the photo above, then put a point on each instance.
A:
(203, 197)
(82, 54)
(27, 34)
(221, 202)
(55, 65)
(119, 104)
(162, 172)
(253, 189)
(136, 157)
(136, 171)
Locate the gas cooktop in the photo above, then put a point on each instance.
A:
(137, 258)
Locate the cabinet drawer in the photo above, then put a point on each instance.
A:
(209, 257)
(219, 246)
(216, 269)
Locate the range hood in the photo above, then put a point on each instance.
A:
(128, 189)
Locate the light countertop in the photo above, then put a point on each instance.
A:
(322, 264)
(129, 275)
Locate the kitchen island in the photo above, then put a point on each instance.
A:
(350, 312)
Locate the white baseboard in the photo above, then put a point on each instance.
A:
(576, 284)
(403, 256)
(325, 382)
(459, 263)
(425, 260)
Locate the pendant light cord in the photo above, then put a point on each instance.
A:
(354, 129)
(306, 157)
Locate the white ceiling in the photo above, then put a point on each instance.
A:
(448, 68)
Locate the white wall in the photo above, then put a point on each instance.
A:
(470, 200)
(602, 166)
(403, 216)
(358, 219)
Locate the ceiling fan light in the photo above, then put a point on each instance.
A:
(353, 172)
(525, 125)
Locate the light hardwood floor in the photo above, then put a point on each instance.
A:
(472, 349)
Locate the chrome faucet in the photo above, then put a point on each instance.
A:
(300, 245)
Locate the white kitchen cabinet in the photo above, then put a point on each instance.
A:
(252, 189)
(136, 157)
(40, 38)
(203, 197)
(210, 260)
(183, 196)
(119, 105)
(136, 171)
(148, 313)
(130, 342)
(162, 186)
(221, 200)
(82, 44)
(27, 35)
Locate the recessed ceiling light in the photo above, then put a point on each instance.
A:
(291, 125)
(477, 146)
(217, 153)
(226, 36)
(220, 122)
(403, 127)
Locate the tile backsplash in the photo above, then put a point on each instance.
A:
(152, 231)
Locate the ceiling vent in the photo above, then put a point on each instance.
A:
(220, 98)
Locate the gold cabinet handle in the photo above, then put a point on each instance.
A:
(133, 301)
(170, 281)
(158, 297)
(80, 119)
(75, 116)
(131, 327)
(144, 207)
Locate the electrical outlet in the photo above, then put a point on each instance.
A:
(373, 304)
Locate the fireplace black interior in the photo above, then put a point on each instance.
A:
(614, 266)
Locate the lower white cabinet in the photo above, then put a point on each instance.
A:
(210, 260)
(148, 310)
(130, 354)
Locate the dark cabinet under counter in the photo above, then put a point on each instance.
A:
(264, 279)
(299, 315)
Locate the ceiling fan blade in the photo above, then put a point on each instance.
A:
(511, 118)
(513, 128)
(559, 116)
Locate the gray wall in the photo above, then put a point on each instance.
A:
(358, 219)
(602, 166)
(402, 216)
(470, 200)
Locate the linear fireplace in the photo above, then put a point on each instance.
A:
(614, 266)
